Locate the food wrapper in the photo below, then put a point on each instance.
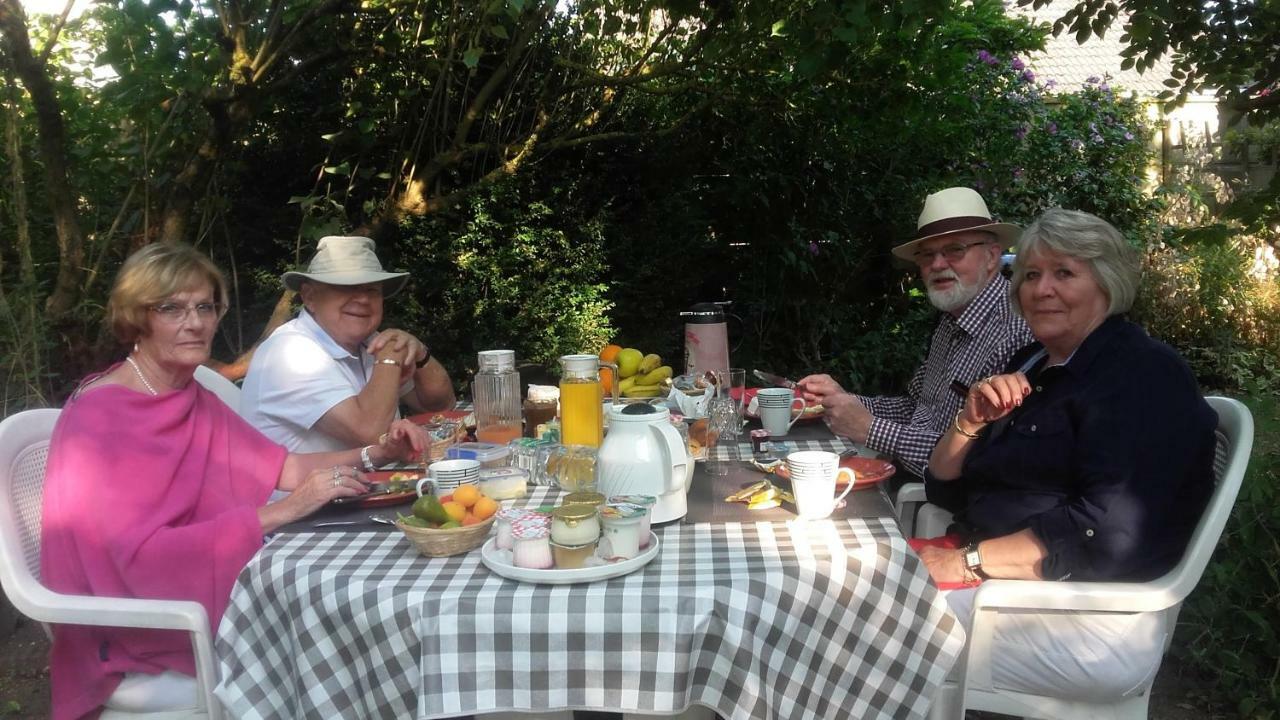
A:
(690, 406)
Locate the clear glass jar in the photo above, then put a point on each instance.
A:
(575, 525)
(496, 393)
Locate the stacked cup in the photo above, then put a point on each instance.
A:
(445, 476)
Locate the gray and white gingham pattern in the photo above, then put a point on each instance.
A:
(975, 345)
(759, 620)
(742, 451)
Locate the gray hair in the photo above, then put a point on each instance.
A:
(1115, 265)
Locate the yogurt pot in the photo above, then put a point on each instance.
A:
(572, 557)
(506, 517)
(531, 545)
(575, 525)
(645, 501)
(622, 529)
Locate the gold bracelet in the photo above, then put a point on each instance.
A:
(971, 436)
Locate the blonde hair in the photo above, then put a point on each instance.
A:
(1115, 265)
(153, 274)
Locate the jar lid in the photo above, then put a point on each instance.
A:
(580, 363)
(641, 500)
(522, 530)
(593, 499)
(496, 360)
(574, 513)
(512, 514)
(623, 511)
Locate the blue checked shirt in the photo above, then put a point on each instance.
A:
(975, 345)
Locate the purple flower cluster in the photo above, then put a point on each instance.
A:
(1051, 128)
(987, 58)
(813, 248)
(1017, 64)
(1021, 132)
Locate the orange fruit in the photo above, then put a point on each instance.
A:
(445, 498)
(466, 495)
(470, 520)
(484, 508)
(609, 353)
(455, 510)
(606, 380)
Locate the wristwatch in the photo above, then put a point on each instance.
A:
(425, 358)
(973, 559)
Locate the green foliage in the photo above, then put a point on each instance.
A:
(1228, 626)
(1210, 296)
(505, 271)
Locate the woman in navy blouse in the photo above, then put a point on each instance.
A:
(1091, 460)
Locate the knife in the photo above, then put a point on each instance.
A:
(776, 380)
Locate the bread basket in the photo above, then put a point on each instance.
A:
(443, 543)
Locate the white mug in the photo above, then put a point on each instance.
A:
(447, 475)
(775, 406)
(813, 482)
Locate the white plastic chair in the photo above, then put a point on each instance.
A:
(973, 688)
(213, 381)
(24, 449)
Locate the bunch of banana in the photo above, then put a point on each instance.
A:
(642, 375)
(761, 496)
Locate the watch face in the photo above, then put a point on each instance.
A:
(972, 558)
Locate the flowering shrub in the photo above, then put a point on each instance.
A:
(1086, 150)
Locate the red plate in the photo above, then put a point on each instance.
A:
(751, 392)
(376, 498)
(868, 471)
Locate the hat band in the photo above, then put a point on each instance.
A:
(952, 224)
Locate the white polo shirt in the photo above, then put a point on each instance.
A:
(296, 376)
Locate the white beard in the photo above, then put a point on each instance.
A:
(959, 296)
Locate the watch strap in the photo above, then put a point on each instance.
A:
(425, 358)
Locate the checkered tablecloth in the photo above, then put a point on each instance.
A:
(756, 620)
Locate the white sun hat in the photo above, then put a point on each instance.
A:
(957, 209)
(346, 260)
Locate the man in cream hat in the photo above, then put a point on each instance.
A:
(328, 380)
(957, 249)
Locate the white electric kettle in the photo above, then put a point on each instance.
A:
(643, 454)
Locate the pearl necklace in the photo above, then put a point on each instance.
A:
(141, 377)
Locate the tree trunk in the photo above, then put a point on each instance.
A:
(13, 32)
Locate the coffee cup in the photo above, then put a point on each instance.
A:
(775, 406)
(813, 482)
(445, 476)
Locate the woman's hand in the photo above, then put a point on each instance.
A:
(318, 488)
(944, 566)
(816, 388)
(994, 397)
(404, 440)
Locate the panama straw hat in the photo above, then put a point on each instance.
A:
(346, 260)
(957, 209)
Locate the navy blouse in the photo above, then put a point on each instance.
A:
(1109, 460)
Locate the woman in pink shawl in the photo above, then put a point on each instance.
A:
(156, 489)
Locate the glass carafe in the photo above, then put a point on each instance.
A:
(496, 393)
(582, 399)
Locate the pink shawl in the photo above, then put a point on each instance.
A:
(147, 497)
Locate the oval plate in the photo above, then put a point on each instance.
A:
(499, 562)
(868, 471)
(809, 415)
(377, 496)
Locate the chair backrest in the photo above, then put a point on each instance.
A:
(1235, 423)
(24, 449)
(213, 381)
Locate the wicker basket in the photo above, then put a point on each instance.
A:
(443, 543)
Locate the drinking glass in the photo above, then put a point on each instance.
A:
(737, 385)
(721, 423)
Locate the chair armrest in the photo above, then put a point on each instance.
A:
(910, 493)
(44, 605)
(1080, 596)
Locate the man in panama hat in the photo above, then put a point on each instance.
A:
(328, 380)
(957, 248)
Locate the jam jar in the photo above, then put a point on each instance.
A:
(531, 545)
(575, 524)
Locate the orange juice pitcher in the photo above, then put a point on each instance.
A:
(582, 399)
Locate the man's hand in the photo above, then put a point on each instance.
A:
(816, 388)
(846, 415)
(401, 347)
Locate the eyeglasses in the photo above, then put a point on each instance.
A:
(173, 313)
(950, 253)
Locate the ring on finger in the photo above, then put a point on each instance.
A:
(337, 475)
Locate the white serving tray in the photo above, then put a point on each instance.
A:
(499, 561)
